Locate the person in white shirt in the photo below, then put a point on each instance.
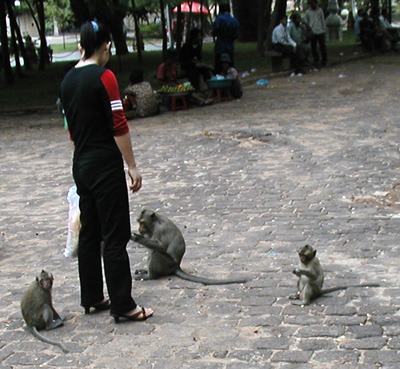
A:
(314, 18)
(283, 43)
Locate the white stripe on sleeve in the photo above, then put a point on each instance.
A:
(116, 105)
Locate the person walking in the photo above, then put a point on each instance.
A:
(98, 128)
(225, 31)
(314, 18)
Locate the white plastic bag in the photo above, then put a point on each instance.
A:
(74, 223)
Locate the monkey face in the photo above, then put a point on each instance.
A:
(306, 254)
(146, 222)
(142, 228)
(45, 280)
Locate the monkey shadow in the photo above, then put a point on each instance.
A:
(327, 299)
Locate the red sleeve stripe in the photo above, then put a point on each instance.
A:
(111, 85)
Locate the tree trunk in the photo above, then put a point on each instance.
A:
(80, 10)
(374, 5)
(116, 27)
(164, 29)
(279, 12)
(14, 43)
(246, 12)
(137, 33)
(16, 52)
(14, 25)
(179, 29)
(43, 52)
(38, 28)
(261, 26)
(5, 52)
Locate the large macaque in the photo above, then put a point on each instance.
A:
(37, 308)
(311, 277)
(166, 248)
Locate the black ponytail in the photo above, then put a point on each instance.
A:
(93, 36)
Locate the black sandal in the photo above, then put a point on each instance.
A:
(101, 306)
(133, 317)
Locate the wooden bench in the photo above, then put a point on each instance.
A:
(276, 60)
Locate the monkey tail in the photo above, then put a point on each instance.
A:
(39, 336)
(340, 288)
(189, 277)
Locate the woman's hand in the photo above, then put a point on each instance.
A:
(136, 179)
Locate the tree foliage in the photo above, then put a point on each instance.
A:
(60, 10)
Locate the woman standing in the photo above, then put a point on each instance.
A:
(99, 131)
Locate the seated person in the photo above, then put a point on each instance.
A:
(191, 60)
(370, 34)
(357, 21)
(168, 74)
(301, 36)
(228, 71)
(283, 43)
(391, 32)
(145, 103)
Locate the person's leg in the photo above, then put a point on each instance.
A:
(322, 46)
(113, 208)
(231, 54)
(218, 65)
(205, 73)
(314, 49)
(193, 76)
(286, 50)
(89, 249)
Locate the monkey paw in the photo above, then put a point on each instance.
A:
(141, 271)
(136, 237)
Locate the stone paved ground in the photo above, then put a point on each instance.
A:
(305, 160)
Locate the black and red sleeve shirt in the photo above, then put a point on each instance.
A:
(93, 109)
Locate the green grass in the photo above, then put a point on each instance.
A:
(59, 48)
(40, 88)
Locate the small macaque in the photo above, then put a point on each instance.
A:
(37, 308)
(166, 247)
(311, 278)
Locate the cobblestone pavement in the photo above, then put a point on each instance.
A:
(305, 160)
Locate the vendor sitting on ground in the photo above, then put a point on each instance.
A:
(191, 60)
(168, 74)
(228, 71)
(144, 102)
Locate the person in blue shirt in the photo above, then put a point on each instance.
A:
(225, 31)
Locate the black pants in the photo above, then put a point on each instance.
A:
(320, 40)
(194, 74)
(289, 51)
(104, 217)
